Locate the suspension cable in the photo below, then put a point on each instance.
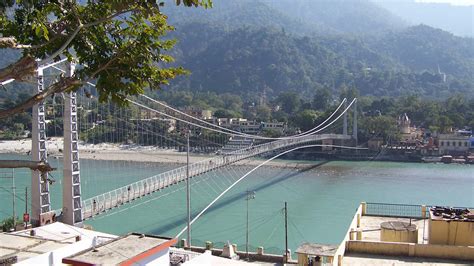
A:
(241, 134)
(255, 168)
(237, 132)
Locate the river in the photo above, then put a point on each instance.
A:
(321, 199)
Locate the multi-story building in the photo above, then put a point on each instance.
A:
(454, 144)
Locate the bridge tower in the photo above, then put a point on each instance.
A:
(40, 198)
(344, 123)
(72, 209)
(354, 123)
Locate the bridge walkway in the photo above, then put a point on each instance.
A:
(126, 194)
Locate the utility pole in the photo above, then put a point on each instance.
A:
(286, 232)
(188, 190)
(250, 195)
(14, 196)
(26, 215)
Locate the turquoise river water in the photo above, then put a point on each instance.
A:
(321, 199)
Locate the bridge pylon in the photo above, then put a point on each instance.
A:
(354, 123)
(344, 121)
(40, 198)
(72, 204)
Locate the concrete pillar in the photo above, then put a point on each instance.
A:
(358, 220)
(351, 234)
(344, 123)
(288, 254)
(184, 243)
(234, 247)
(72, 203)
(359, 234)
(364, 208)
(40, 199)
(354, 125)
(260, 250)
(423, 211)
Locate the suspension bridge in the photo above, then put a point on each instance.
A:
(150, 123)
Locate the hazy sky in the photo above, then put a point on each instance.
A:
(453, 2)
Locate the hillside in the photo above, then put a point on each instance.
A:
(246, 46)
(425, 48)
(246, 60)
(303, 17)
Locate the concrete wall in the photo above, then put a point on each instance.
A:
(457, 233)
(390, 235)
(351, 233)
(411, 250)
(252, 255)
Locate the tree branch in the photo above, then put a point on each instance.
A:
(10, 42)
(20, 70)
(63, 85)
(79, 27)
(33, 165)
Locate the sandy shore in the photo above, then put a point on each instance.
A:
(116, 152)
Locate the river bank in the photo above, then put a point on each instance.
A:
(130, 153)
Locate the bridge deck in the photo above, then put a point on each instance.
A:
(112, 199)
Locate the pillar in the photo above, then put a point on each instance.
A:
(423, 211)
(40, 199)
(359, 234)
(344, 123)
(354, 125)
(72, 204)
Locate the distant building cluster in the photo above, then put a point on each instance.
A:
(457, 146)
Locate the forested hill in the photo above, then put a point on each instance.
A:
(424, 48)
(300, 17)
(248, 59)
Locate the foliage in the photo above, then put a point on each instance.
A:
(8, 223)
(119, 44)
(246, 61)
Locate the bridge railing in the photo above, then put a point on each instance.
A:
(119, 196)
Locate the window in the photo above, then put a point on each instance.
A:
(460, 144)
(442, 143)
(465, 144)
(447, 143)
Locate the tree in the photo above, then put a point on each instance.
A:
(322, 98)
(263, 113)
(290, 102)
(118, 44)
(381, 126)
(305, 119)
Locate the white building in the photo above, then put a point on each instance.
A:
(48, 244)
(453, 144)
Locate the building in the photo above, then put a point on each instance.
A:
(408, 133)
(454, 144)
(48, 244)
(131, 249)
(278, 126)
(448, 226)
